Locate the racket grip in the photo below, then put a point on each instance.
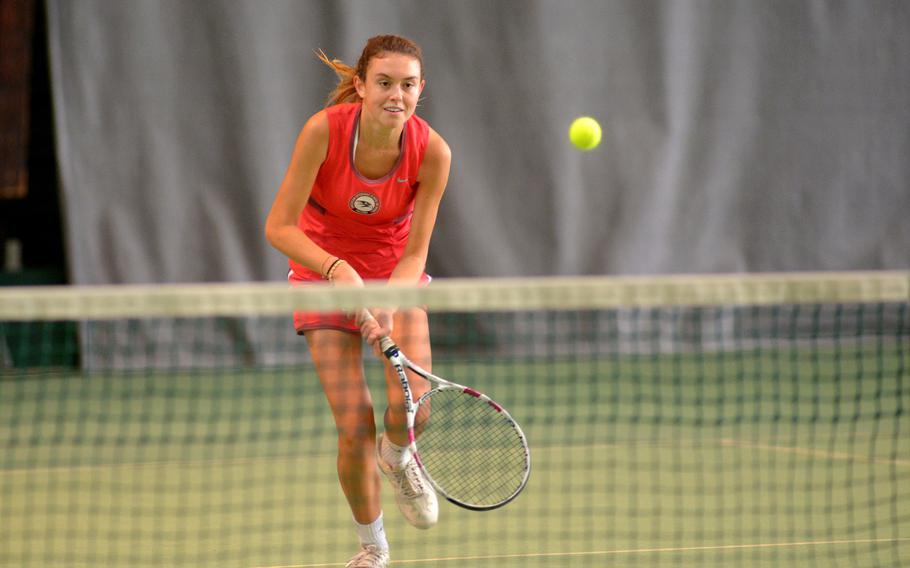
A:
(364, 315)
(385, 342)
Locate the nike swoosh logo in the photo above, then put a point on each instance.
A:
(402, 180)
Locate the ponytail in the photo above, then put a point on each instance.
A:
(344, 91)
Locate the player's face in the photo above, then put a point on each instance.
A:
(391, 89)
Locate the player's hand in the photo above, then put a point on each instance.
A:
(375, 328)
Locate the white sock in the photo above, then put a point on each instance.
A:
(395, 456)
(372, 533)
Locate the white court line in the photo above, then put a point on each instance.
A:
(213, 462)
(618, 445)
(623, 551)
(812, 453)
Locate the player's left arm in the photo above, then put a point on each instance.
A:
(433, 176)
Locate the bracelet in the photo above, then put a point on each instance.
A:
(330, 275)
(322, 269)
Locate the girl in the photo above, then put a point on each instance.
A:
(359, 202)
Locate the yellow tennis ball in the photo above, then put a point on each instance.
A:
(585, 133)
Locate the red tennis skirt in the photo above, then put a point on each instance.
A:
(305, 321)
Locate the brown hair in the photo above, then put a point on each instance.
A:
(344, 91)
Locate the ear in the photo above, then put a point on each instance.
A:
(359, 86)
(423, 83)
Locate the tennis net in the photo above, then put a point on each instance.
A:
(744, 420)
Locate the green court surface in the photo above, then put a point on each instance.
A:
(758, 458)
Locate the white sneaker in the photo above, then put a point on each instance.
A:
(369, 556)
(413, 493)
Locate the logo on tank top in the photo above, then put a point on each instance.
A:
(364, 203)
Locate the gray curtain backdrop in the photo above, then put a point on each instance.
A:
(739, 135)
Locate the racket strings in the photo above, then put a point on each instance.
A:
(473, 452)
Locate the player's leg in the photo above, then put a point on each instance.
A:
(337, 357)
(413, 493)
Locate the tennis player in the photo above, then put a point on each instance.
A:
(359, 203)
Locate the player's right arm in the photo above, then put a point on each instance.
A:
(281, 224)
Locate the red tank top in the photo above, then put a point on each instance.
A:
(364, 221)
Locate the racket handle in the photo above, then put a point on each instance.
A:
(364, 315)
(385, 342)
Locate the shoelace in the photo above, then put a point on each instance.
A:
(411, 483)
(366, 558)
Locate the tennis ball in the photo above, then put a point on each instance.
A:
(585, 133)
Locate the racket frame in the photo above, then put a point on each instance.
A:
(400, 362)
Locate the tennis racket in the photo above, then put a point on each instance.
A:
(471, 450)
